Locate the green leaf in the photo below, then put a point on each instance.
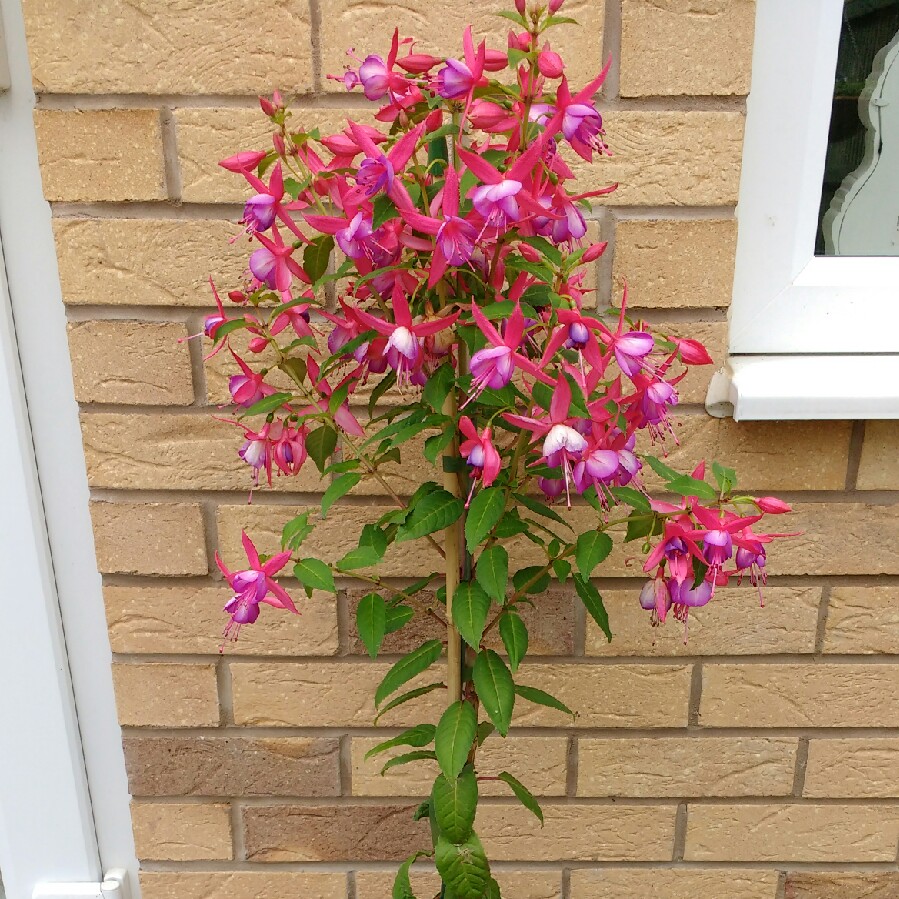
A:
(419, 736)
(438, 152)
(397, 617)
(639, 524)
(320, 444)
(539, 508)
(437, 443)
(339, 487)
(592, 548)
(423, 811)
(485, 728)
(470, 608)
(492, 572)
(560, 20)
(408, 667)
(493, 681)
(455, 735)
(316, 256)
(522, 579)
(633, 498)
(513, 16)
(296, 531)
(438, 510)
(419, 755)
(541, 697)
(455, 803)
(402, 887)
(726, 478)
(383, 211)
(438, 386)
(561, 569)
(545, 247)
(687, 486)
(484, 512)
(233, 324)
(267, 404)
(661, 469)
(374, 537)
(515, 637)
(359, 557)
(314, 574)
(371, 622)
(463, 866)
(380, 389)
(593, 603)
(408, 697)
(525, 797)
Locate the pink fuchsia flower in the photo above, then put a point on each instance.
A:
(289, 452)
(685, 597)
(577, 118)
(480, 454)
(459, 79)
(296, 315)
(273, 264)
(342, 416)
(656, 598)
(252, 586)
(377, 171)
(248, 387)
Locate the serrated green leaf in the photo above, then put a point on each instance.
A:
(539, 508)
(438, 386)
(267, 404)
(661, 469)
(492, 572)
(320, 444)
(296, 531)
(371, 622)
(313, 573)
(402, 887)
(496, 689)
(339, 487)
(485, 728)
(380, 389)
(524, 579)
(455, 736)
(463, 866)
(419, 755)
(316, 256)
(541, 697)
(484, 511)
(633, 498)
(383, 211)
(593, 603)
(471, 604)
(726, 478)
(561, 569)
(419, 736)
(374, 537)
(525, 797)
(438, 510)
(359, 557)
(639, 524)
(592, 548)
(407, 667)
(455, 803)
(437, 443)
(514, 633)
(408, 697)
(687, 486)
(398, 617)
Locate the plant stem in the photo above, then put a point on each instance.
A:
(453, 549)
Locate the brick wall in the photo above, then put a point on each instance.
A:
(756, 762)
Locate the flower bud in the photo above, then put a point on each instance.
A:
(772, 505)
(434, 120)
(550, 64)
(529, 252)
(555, 6)
(243, 161)
(267, 106)
(417, 63)
(257, 344)
(692, 352)
(278, 143)
(594, 251)
(237, 296)
(520, 5)
(519, 41)
(495, 61)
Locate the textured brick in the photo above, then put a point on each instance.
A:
(174, 452)
(364, 833)
(675, 264)
(438, 29)
(108, 154)
(166, 695)
(575, 832)
(82, 48)
(241, 885)
(672, 883)
(794, 833)
(146, 262)
(863, 620)
(529, 885)
(852, 768)
(879, 467)
(317, 695)
(716, 766)
(800, 695)
(187, 619)
(689, 47)
(180, 832)
(669, 159)
(232, 766)
(538, 762)
(550, 626)
(130, 362)
(149, 538)
(841, 885)
(732, 624)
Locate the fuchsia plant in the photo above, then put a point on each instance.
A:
(462, 288)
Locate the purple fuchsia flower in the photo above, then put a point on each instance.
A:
(577, 118)
(249, 387)
(457, 80)
(252, 586)
(374, 76)
(273, 265)
(259, 212)
(655, 597)
(355, 238)
(377, 172)
(480, 455)
(289, 452)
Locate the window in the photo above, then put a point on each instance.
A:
(810, 336)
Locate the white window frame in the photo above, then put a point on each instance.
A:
(810, 337)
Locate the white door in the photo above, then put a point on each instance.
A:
(64, 821)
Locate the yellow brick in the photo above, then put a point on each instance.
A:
(852, 768)
(147, 262)
(166, 695)
(732, 624)
(862, 619)
(879, 468)
(796, 832)
(800, 695)
(168, 47)
(175, 452)
(669, 159)
(672, 883)
(575, 832)
(842, 884)
(241, 885)
(686, 766)
(438, 30)
(675, 264)
(688, 47)
(149, 538)
(180, 832)
(110, 154)
(130, 362)
(529, 885)
(538, 762)
(159, 619)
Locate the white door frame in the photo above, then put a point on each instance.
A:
(64, 813)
